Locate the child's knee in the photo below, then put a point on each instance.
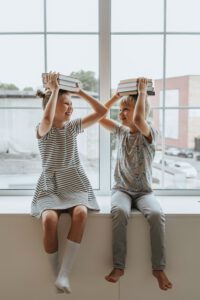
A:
(79, 214)
(49, 220)
(156, 217)
(119, 213)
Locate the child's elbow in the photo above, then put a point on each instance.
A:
(48, 121)
(104, 111)
(137, 120)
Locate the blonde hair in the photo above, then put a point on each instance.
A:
(47, 94)
(128, 100)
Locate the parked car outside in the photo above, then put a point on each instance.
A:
(198, 157)
(186, 153)
(172, 151)
(184, 167)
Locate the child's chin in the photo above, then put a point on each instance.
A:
(67, 116)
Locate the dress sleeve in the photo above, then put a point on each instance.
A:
(76, 126)
(45, 137)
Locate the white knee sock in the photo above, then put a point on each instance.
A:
(53, 259)
(70, 252)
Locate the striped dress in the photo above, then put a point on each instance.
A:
(63, 182)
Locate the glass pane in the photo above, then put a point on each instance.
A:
(25, 55)
(72, 16)
(183, 15)
(21, 15)
(182, 154)
(19, 157)
(66, 55)
(172, 98)
(20, 163)
(157, 170)
(182, 56)
(157, 100)
(137, 16)
(134, 56)
(180, 91)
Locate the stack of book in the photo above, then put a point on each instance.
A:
(66, 83)
(130, 87)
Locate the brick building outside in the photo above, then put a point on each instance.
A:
(182, 126)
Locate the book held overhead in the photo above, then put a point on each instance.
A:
(130, 87)
(66, 83)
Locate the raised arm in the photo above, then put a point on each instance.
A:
(49, 111)
(108, 123)
(99, 110)
(139, 117)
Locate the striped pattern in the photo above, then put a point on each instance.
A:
(63, 182)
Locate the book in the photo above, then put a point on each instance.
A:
(64, 77)
(69, 83)
(66, 83)
(149, 93)
(66, 88)
(69, 88)
(119, 89)
(132, 84)
(130, 87)
(133, 80)
(63, 82)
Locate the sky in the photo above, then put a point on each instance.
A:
(22, 56)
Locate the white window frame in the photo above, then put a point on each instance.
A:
(105, 88)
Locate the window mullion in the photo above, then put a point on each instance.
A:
(104, 75)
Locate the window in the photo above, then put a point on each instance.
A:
(48, 38)
(103, 41)
(152, 43)
(29, 16)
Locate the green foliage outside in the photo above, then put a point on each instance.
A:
(8, 86)
(90, 83)
(28, 89)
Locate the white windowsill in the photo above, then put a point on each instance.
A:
(172, 205)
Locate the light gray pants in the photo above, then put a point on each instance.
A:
(121, 205)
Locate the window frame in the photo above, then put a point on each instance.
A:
(105, 34)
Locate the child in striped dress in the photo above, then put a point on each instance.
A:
(63, 185)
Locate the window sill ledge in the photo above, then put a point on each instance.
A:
(172, 205)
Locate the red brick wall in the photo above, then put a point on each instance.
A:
(181, 84)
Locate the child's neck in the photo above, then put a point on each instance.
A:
(133, 128)
(58, 124)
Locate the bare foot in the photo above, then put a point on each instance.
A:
(114, 275)
(163, 281)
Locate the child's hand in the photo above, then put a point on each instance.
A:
(52, 81)
(79, 93)
(117, 95)
(142, 85)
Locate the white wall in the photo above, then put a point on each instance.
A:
(25, 273)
